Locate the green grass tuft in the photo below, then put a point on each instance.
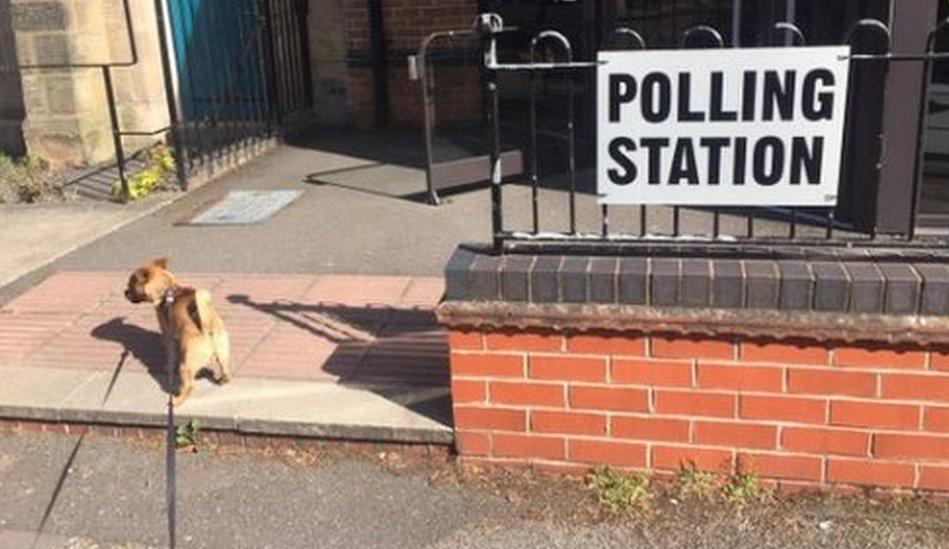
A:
(743, 488)
(187, 436)
(693, 483)
(619, 493)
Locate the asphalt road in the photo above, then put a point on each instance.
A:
(113, 496)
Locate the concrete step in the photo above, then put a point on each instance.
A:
(249, 405)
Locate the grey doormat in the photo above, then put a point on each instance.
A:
(245, 207)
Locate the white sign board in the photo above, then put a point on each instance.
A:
(721, 127)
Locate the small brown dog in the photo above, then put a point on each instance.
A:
(192, 331)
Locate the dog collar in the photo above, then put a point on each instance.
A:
(168, 299)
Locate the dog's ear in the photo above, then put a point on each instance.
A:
(160, 262)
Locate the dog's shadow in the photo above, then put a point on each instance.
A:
(146, 347)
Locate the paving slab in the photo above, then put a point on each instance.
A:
(247, 405)
(350, 357)
(35, 394)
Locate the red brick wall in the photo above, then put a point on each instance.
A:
(407, 22)
(799, 413)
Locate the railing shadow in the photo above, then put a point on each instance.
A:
(400, 354)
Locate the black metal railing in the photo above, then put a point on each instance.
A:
(750, 225)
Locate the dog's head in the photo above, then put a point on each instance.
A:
(148, 283)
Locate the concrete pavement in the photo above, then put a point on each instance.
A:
(363, 211)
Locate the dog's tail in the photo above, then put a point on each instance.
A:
(202, 300)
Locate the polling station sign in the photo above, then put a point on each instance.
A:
(721, 127)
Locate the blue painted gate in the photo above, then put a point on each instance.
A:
(221, 48)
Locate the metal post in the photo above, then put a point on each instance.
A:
(533, 151)
(790, 15)
(171, 96)
(638, 43)
(571, 150)
(571, 138)
(428, 105)
(116, 134)
(736, 23)
(490, 58)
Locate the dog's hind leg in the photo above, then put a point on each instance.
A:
(192, 360)
(222, 353)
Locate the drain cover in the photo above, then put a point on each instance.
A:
(246, 207)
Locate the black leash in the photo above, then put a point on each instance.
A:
(171, 456)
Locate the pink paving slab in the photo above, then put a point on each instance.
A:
(330, 328)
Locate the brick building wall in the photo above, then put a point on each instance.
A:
(797, 412)
(406, 23)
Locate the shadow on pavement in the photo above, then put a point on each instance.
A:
(144, 345)
(400, 354)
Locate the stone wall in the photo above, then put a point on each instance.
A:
(63, 114)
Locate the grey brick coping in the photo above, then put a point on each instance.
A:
(889, 282)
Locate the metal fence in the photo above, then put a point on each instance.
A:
(654, 225)
(242, 70)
